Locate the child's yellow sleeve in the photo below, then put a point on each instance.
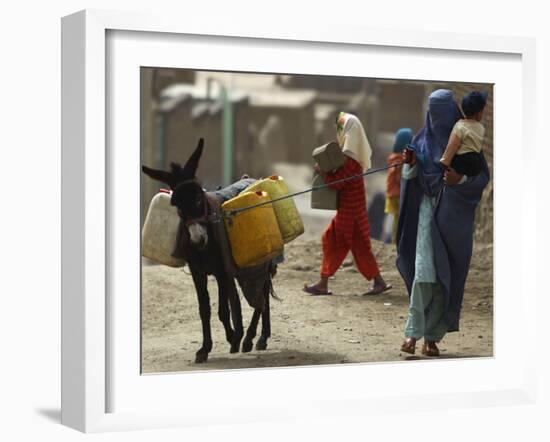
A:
(458, 130)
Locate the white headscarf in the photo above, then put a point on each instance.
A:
(353, 139)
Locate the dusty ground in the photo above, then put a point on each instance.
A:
(343, 328)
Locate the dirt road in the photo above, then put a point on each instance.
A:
(344, 328)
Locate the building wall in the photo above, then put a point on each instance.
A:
(297, 124)
(181, 135)
(147, 142)
(166, 76)
(400, 105)
(182, 132)
(323, 83)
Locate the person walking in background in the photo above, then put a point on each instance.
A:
(393, 181)
(349, 229)
(435, 229)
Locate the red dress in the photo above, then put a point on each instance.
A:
(349, 229)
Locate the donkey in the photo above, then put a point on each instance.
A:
(199, 242)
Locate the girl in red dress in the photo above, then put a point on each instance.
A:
(349, 229)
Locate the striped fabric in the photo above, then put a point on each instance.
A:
(351, 218)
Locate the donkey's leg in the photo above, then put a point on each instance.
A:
(223, 309)
(261, 344)
(251, 331)
(200, 280)
(236, 314)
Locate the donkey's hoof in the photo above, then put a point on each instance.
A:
(247, 346)
(261, 344)
(201, 358)
(236, 343)
(235, 346)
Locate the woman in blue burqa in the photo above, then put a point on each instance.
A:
(435, 229)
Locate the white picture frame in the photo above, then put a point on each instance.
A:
(87, 356)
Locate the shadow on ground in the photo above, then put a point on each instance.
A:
(256, 359)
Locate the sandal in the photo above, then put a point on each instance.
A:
(314, 291)
(409, 345)
(430, 349)
(378, 290)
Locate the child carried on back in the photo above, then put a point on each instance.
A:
(463, 152)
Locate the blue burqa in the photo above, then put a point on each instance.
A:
(452, 224)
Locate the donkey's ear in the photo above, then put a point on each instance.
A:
(192, 164)
(160, 175)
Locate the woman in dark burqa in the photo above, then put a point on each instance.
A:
(435, 229)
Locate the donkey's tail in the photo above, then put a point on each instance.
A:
(270, 287)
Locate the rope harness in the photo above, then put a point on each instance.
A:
(204, 218)
(209, 212)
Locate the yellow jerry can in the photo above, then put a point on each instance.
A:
(288, 217)
(254, 234)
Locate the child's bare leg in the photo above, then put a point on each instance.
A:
(451, 150)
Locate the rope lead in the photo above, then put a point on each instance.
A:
(234, 212)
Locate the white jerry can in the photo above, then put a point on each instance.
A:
(158, 236)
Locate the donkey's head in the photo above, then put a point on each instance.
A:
(188, 196)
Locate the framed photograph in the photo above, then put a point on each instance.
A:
(202, 136)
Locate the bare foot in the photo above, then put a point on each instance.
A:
(321, 288)
(316, 289)
(379, 286)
